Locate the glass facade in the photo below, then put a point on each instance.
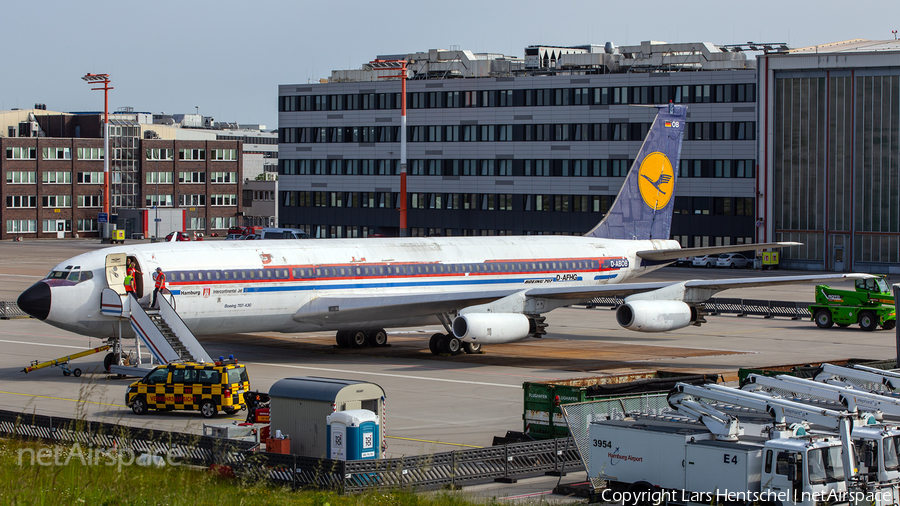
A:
(124, 165)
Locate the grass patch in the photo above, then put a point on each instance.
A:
(60, 475)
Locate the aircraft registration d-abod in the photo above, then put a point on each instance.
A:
(484, 290)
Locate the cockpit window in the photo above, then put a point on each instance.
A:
(57, 274)
(74, 276)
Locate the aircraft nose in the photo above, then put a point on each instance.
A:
(36, 300)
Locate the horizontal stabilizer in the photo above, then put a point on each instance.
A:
(661, 255)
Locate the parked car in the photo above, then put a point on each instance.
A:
(182, 236)
(683, 262)
(235, 237)
(251, 237)
(734, 261)
(704, 261)
(244, 230)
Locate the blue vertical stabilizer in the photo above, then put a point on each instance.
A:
(643, 208)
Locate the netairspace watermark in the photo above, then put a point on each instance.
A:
(660, 496)
(91, 456)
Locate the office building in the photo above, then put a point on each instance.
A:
(53, 185)
(506, 145)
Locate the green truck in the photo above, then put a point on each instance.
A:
(870, 305)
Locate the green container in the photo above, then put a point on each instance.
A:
(543, 418)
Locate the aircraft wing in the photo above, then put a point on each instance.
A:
(662, 255)
(708, 287)
(344, 309)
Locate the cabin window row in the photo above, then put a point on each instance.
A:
(416, 270)
(384, 270)
(230, 275)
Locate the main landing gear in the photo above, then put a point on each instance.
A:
(360, 338)
(448, 344)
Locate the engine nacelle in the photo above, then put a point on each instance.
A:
(655, 315)
(491, 328)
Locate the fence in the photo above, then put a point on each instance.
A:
(740, 307)
(456, 468)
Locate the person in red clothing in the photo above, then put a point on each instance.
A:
(160, 285)
(132, 269)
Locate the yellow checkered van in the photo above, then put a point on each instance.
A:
(208, 388)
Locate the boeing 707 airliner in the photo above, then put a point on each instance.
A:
(484, 290)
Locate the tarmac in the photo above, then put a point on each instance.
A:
(434, 404)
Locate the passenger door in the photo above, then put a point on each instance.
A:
(115, 272)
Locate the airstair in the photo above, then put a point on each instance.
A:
(161, 330)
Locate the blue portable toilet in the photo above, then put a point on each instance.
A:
(353, 435)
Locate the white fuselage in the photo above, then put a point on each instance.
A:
(257, 286)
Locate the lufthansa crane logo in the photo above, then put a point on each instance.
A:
(656, 180)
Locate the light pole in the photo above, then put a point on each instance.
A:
(401, 65)
(104, 80)
(156, 200)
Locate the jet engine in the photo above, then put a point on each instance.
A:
(655, 315)
(491, 328)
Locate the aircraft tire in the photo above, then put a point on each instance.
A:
(376, 338)
(471, 348)
(434, 344)
(108, 361)
(357, 338)
(342, 339)
(451, 345)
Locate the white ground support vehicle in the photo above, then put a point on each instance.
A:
(867, 378)
(877, 444)
(647, 461)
